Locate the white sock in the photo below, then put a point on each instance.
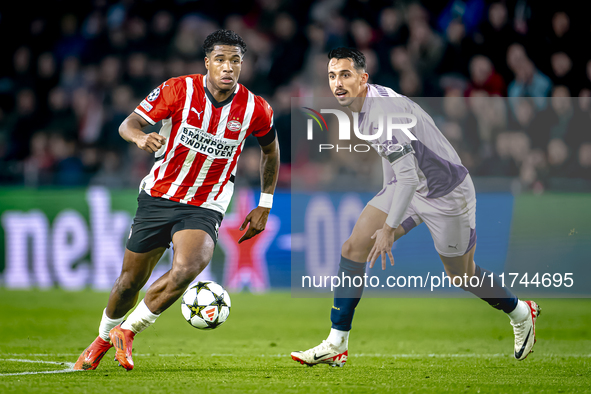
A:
(520, 313)
(339, 338)
(107, 324)
(140, 319)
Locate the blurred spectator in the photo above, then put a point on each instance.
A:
(71, 75)
(248, 173)
(89, 112)
(558, 154)
(291, 46)
(137, 74)
(495, 36)
(562, 72)
(457, 50)
(362, 33)
(394, 32)
(425, 47)
(22, 124)
(23, 74)
(584, 162)
(461, 127)
(109, 173)
(470, 12)
(484, 77)
(553, 122)
(37, 168)
(529, 81)
(68, 168)
(70, 42)
(562, 106)
(61, 117)
(161, 33)
(561, 37)
(122, 104)
(502, 162)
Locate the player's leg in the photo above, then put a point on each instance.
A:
(135, 272)
(333, 350)
(193, 250)
(455, 241)
(354, 253)
(489, 287)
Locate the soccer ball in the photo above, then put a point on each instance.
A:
(205, 305)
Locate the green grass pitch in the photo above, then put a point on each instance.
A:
(397, 345)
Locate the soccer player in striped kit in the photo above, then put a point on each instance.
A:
(205, 121)
(424, 181)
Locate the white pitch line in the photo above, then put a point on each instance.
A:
(401, 355)
(70, 366)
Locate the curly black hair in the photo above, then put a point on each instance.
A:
(349, 53)
(223, 37)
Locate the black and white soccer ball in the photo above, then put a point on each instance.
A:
(205, 305)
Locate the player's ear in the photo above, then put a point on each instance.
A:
(206, 59)
(364, 78)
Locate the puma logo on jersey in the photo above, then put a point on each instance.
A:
(453, 246)
(197, 112)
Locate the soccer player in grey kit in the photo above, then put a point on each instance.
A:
(424, 181)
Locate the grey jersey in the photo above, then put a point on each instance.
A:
(437, 164)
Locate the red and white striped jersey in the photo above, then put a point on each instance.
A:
(204, 139)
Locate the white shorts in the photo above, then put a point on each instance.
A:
(451, 219)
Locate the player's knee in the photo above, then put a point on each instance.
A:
(184, 272)
(353, 250)
(128, 283)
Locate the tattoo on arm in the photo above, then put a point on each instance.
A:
(269, 170)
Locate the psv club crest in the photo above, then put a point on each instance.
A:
(234, 125)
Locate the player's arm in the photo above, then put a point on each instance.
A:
(269, 173)
(387, 171)
(131, 130)
(407, 181)
(269, 167)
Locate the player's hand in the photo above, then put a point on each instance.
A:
(150, 142)
(258, 220)
(383, 246)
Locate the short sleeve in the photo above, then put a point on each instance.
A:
(263, 118)
(161, 102)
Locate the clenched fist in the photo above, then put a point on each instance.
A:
(150, 142)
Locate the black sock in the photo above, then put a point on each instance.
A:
(497, 296)
(347, 295)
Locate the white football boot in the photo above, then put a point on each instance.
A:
(525, 332)
(325, 353)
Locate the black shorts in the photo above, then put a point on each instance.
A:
(157, 219)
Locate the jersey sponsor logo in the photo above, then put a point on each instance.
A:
(154, 94)
(202, 142)
(146, 105)
(234, 125)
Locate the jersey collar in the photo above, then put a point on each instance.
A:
(214, 102)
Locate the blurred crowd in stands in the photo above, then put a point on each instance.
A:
(72, 71)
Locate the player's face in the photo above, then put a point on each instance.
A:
(223, 65)
(345, 81)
